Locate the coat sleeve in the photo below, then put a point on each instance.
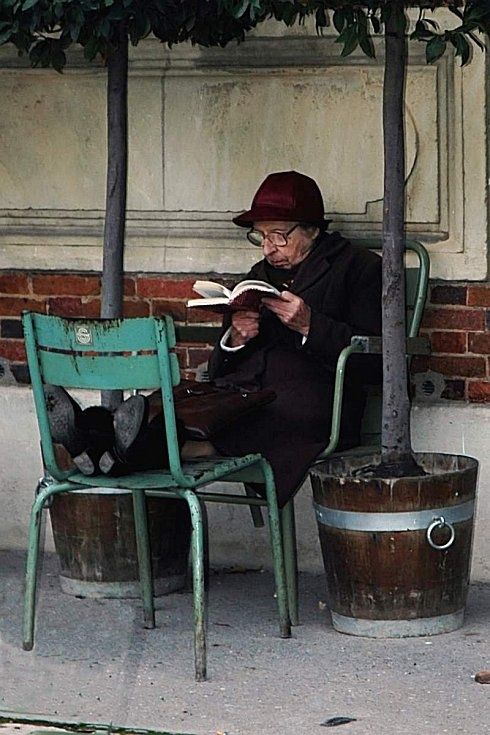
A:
(327, 336)
(221, 362)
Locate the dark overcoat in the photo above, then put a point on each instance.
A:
(341, 283)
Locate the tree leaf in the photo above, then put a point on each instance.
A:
(241, 9)
(29, 4)
(435, 49)
(321, 20)
(139, 27)
(58, 59)
(421, 32)
(91, 48)
(375, 23)
(5, 35)
(104, 28)
(474, 13)
(366, 43)
(361, 18)
(339, 20)
(462, 47)
(349, 39)
(39, 52)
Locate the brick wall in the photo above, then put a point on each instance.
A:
(457, 319)
(70, 295)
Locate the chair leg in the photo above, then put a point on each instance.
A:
(288, 527)
(255, 510)
(205, 554)
(144, 556)
(198, 575)
(32, 564)
(277, 552)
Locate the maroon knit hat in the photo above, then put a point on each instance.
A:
(285, 196)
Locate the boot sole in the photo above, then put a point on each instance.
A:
(106, 463)
(129, 419)
(62, 415)
(84, 464)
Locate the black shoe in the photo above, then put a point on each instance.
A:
(87, 463)
(110, 465)
(139, 445)
(85, 434)
(96, 422)
(130, 421)
(63, 416)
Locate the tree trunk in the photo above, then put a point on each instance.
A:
(116, 189)
(396, 446)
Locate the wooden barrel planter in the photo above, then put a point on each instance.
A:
(396, 551)
(95, 541)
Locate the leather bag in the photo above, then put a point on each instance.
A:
(205, 410)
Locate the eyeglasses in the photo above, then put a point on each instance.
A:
(276, 238)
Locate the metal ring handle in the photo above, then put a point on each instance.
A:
(440, 523)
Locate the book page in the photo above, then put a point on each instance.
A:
(218, 303)
(211, 290)
(213, 301)
(252, 285)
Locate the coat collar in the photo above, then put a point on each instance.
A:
(318, 262)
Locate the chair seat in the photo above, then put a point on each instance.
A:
(200, 472)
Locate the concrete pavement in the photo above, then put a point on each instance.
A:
(93, 661)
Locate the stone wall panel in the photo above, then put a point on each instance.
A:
(207, 124)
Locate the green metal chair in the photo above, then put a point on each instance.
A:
(130, 354)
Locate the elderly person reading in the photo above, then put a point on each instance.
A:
(330, 291)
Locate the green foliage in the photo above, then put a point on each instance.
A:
(474, 17)
(357, 21)
(44, 29)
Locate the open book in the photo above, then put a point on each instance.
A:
(247, 295)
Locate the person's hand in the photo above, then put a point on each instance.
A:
(244, 327)
(292, 311)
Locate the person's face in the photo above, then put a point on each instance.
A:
(297, 242)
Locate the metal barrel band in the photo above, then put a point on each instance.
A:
(386, 522)
(398, 628)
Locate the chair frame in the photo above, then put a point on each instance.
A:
(112, 360)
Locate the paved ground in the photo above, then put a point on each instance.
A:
(94, 662)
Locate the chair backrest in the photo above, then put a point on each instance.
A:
(416, 280)
(416, 284)
(103, 354)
